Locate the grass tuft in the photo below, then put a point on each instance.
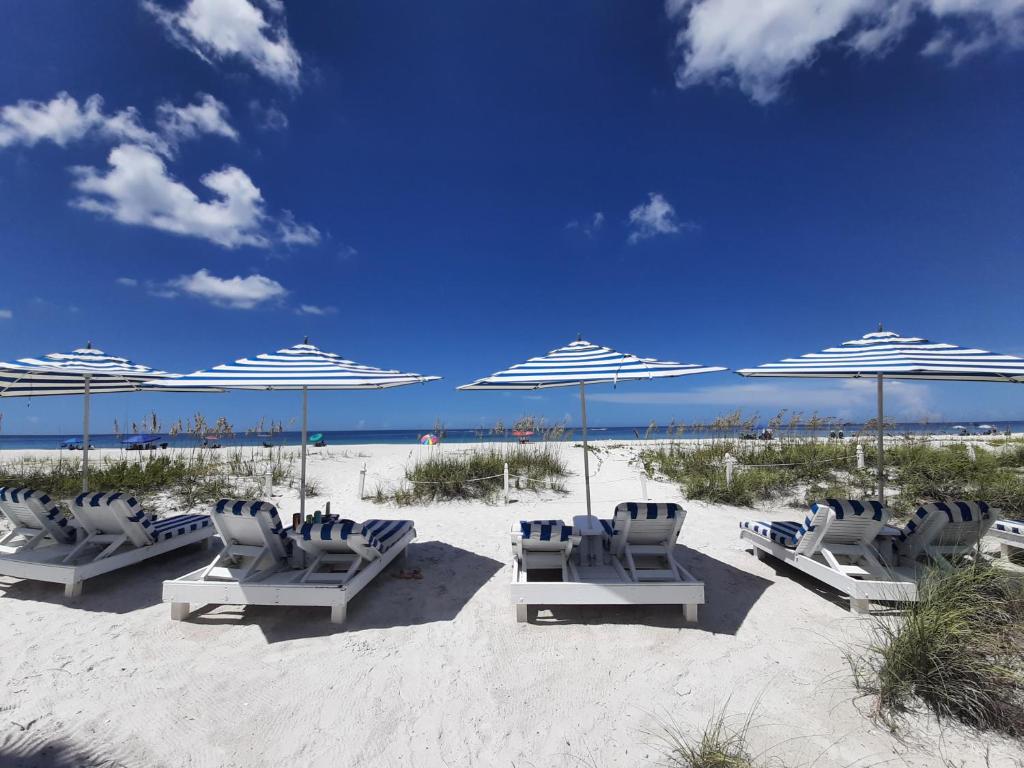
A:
(719, 745)
(958, 651)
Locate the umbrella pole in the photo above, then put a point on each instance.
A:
(586, 451)
(881, 442)
(85, 437)
(302, 476)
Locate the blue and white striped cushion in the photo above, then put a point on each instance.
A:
(955, 512)
(785, 532)
(243, 508)
(846, 508)
(640, 510)
(53, 512)
(545, 530)
(379, 534)
(1010, 526)
(136, 513)
(170, 527)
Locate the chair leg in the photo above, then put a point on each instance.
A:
(179, 611)
(73, 590)
(338, 613)
(860, 605)
(690, 612)
(521, 612)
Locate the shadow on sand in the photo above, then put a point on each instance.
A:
(729, 594)
(450, 578)
(121, 591)
(27, 749)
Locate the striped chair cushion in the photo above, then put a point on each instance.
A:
(136, 513)
(545, 530)
(845, 508)
(955, 512)
(787, 533)
(1010, 526)
(170, 527)
(241, 507)
(379, 534)
(53, 513)
(640, 510)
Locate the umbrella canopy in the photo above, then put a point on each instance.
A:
(580, 363)
(886, 354)
(85, 371)
(302, 367)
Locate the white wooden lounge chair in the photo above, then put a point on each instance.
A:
(545, 544)
(944, 532)
(35, 520)
(645, 530)
(1009, 534)
(835, 544)
(113, 531)
(261, 564)
(641, 530)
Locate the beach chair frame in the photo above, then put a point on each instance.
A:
(546, 553)
(286, 582)
(931, 536)
(1009, 534)
(643, 537)
(125, 542)
(853, 567)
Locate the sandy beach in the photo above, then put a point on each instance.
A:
(436, 672)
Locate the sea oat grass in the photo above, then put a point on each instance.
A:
(957, 651)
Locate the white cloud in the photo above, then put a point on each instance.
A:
(655, 217)
(62, 120)
(294, 233)
(128, 282)
(590, 227)
(268, 118)
(841, 398)
(223, 29)
(206, 115)
(313, 309)
(138, 190)
(6, 314)
(756, 46)
(234, 292)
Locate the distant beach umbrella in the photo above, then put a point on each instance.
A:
(87, 371)
(302, 367)
(888, 355)
(580, 363)
(430, 440)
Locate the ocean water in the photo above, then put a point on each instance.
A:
(412, 436)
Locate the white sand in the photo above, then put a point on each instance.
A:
(437, 672)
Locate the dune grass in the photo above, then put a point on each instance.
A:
(958, 652)
(477, 474)
(191, 477)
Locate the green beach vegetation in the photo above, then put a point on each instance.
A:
(795, 468)
(477, 473)
(957, 652)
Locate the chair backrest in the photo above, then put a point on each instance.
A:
(29, 508)
(113, 513)
(250, 523)
(841, 521)
(647, 522)
(956, 525)
(545, 535)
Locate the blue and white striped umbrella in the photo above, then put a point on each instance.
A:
(894, 356)
(889, 355)
(85, 371)
(580, 363)
(302, 367)
(61, 373)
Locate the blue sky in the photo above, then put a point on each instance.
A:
(450, 188)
